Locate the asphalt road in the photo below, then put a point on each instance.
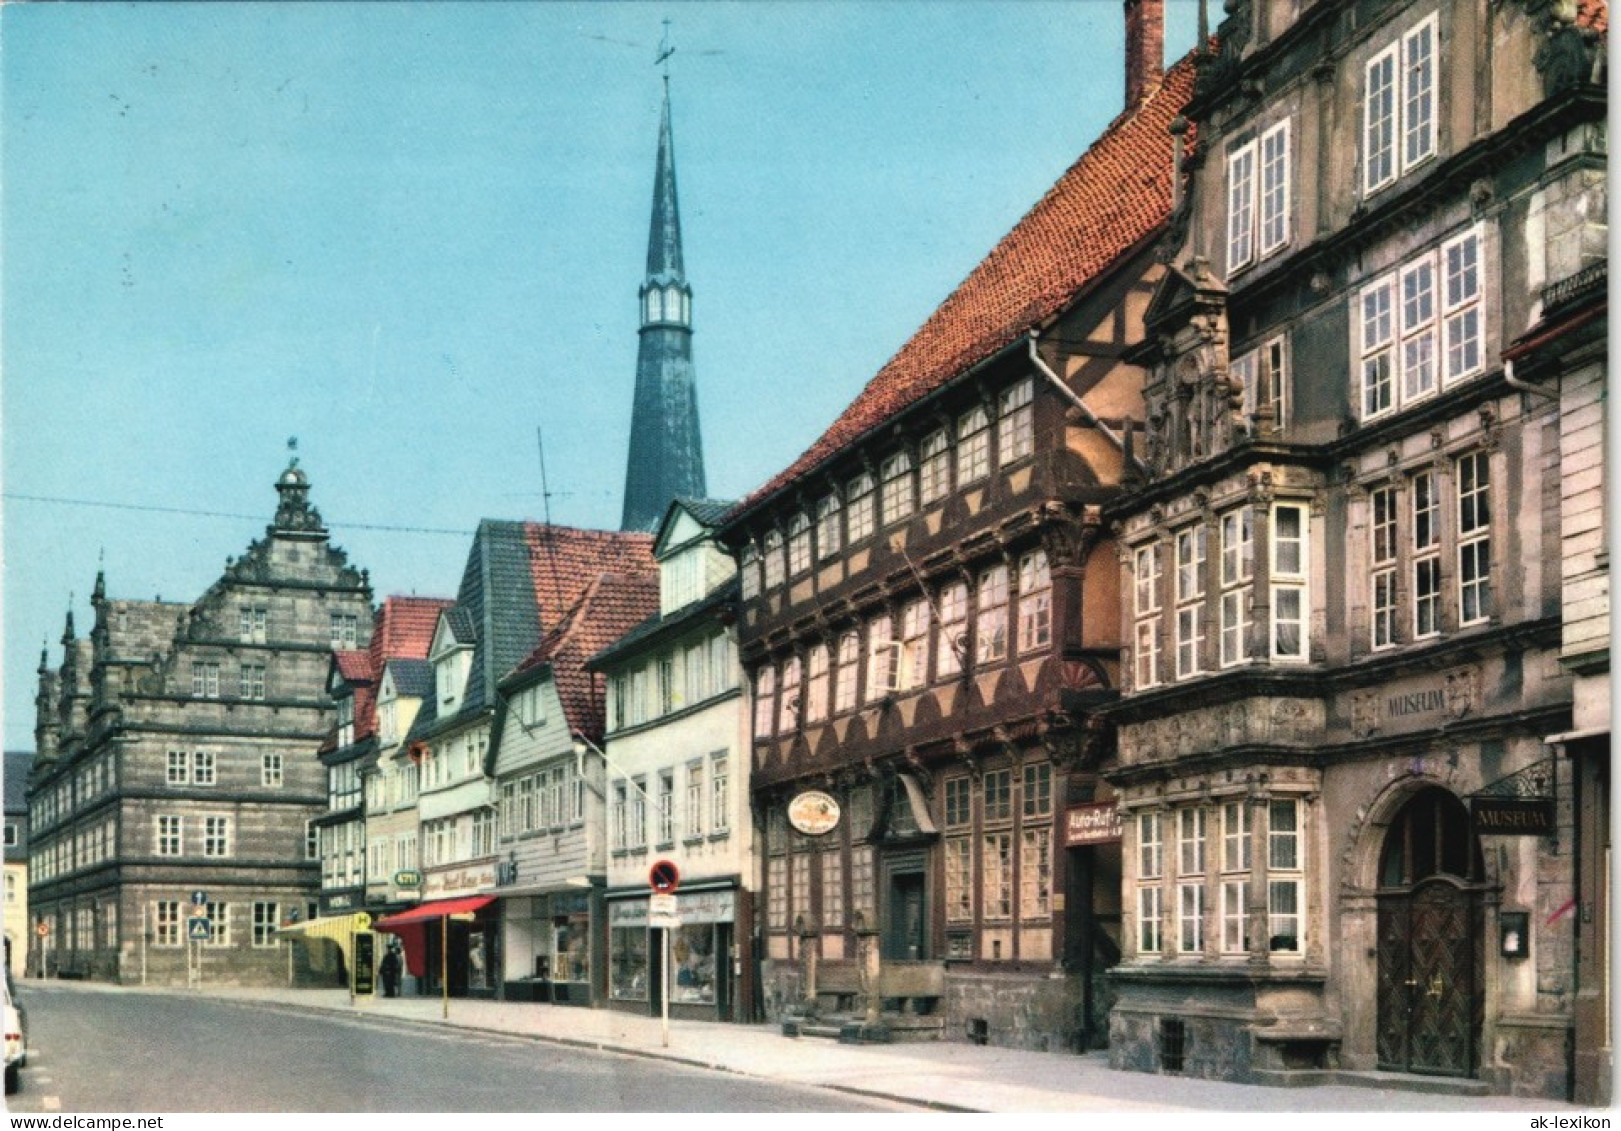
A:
(94, 1049)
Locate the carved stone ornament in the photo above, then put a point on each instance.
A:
(1364, 713)
(1463, 691)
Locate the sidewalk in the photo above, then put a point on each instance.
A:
(944, 1076)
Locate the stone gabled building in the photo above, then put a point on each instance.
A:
(1341, 568)
(176, 758)
(928, 618)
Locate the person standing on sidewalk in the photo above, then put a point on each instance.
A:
(389, 970)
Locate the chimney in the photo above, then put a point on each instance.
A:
(1145, 48)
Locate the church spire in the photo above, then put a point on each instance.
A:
(666, 451)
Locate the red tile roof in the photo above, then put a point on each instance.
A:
(353, 666)
(612, 605)
(565, 560)
(1118, 192)
(404, 629)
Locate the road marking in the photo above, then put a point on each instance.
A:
(53, 1103)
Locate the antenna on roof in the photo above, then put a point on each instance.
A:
(666, 49)
(546, 510)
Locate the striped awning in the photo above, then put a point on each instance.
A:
(339, 929)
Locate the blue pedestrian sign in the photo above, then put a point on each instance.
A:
(199, 898)
(198, 928)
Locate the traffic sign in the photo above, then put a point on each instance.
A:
(661, 912)
(199, 898)
(663, 876)
(198, 928)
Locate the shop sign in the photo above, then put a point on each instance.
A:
(1513, 816)
(408, 879)
(690, 908)
(814, 812)
(1094, 823)
(461, 880)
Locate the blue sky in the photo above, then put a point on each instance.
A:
(410, 235)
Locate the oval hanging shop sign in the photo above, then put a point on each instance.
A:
(813, 813)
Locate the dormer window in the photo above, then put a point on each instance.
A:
(346, 721)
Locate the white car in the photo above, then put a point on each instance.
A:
(16, 1037)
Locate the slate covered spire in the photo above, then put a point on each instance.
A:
(666, 450)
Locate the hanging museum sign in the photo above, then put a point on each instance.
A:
(813, 812)
(1513, 816)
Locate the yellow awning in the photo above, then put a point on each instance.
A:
(339, 929)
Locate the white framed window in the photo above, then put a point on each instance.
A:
(170, 836)
(788, 714)
(934, 468)
(1146, 572)
(252, 624)
(270, 770)
(1398, 107)
(1235, 937)
(266, 918)
(205, 679)
(1382, 563)
(1237, 566)
(861, 517)
(251, 681)
(1191, 552)
(345, 630)
(1285, 877)
(665, 807)
(1422, 326)
(1035, 601)
(991, 616)
(1426, 509)
(1149, 913)
(1035, 873)
(1150, 846)
(775, 564)
(828, 513)
(1235, 836)
(1290, 560)
(899, 497)
(959, 880)
(973, 446)
(177, 767)
(1472, 476)
(720, 792)
(916, 621)
(166, 923)
(1192, 825)
(202, 767)
(749, 568)
(1015, 423)
(997, 861)
(844, 685)
(216, 836)
(1240, 206)
(951, 650)
(1263, 376)
(1258, 196)
(799, 544)
(1150, 867)
(816, 685)
(695, 798)
(881, 659)
(765, 694)
(1190, 917)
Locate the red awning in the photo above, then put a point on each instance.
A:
(434, 909)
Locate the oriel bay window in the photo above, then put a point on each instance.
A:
(1258, 196)
(1426, 557)
(1398, 107)
(1382, 559)
(1280, 874)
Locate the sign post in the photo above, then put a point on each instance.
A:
(663, 878)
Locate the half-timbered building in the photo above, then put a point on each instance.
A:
(928, 615)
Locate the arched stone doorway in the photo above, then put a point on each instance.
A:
(1431, 939)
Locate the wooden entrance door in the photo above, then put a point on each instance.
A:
(1429, 962)
(1431, 944)
(907, 933)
